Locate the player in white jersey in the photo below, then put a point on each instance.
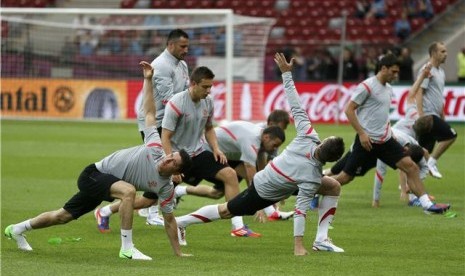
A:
(404, 126)
(171, 77)
(298, 167)
(188, 117)
(430, 100)
(368, 113)
(277, 117)
(246, 146)
(120, 175)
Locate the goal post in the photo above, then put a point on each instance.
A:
(76, 47)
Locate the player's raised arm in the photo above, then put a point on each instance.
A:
(425, 73)
(148, 96)
(302, 122)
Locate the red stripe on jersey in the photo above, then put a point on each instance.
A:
(254, 149)
(280, 172)
(413, 115)
(229, 133)
(175, 108)
(202, 218)
(310, 130)
(330, 212)
(386, 132)
(367, 88)
(298, 212)
(154, 145)
(166, 201)
(378, 175)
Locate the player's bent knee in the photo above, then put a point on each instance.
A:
(227, 175)
(62, 216)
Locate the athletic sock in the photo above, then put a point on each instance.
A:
(425, 201)
(237, 222)
(411, 196)
(203, 215)
(432, 161)
(269, 210)
(180, 191)
(326, 211)
(126, 239)
(21, 227)
(105, 211)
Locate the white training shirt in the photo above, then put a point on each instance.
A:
(433, 87)
(374, 101)
(187, 119)
(170, 76)
(138, 166)
(239, 141)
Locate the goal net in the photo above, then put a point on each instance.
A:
(82, 63)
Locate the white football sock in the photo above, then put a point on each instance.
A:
(203, 215)
(126, 239)
(105, 211)
(237, 222)
(21, 227)
(180, 191)
(425, 201)
(326, 211)
(269, 210)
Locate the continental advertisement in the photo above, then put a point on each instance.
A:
(77, 99)
(59, 98)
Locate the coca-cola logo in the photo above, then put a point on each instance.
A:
(327, 104)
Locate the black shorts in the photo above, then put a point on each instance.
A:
(248, 202)
(218, 184)
(204, 166)
(94, 187)
(362, 168)
(361, 160)
(440, 131)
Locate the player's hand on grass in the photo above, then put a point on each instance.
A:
(260, 216)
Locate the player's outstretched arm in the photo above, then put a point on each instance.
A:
(148, 96)
(425, 73)
(302, 122)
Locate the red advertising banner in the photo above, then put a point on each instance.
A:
(247, 100)
(325, 102)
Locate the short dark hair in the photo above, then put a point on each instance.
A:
(388, 61)
(275, 132)
(423, 125)
(277, 116)
(433, 47)
(186, 161)
(200, 73)
(415, 152)
(175, 35)
(331, 149)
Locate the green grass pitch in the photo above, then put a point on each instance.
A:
(42, 159)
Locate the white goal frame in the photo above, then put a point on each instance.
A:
(228, 23)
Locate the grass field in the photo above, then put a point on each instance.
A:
(42, 159)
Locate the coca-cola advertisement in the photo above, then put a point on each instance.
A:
(324, 102)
